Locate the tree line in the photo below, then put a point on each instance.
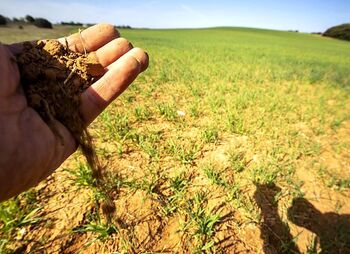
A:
(340, 32)
(39, 22)
(44, 23)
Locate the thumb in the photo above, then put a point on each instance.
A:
(8, 72)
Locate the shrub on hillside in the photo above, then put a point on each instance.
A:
(3, 20)
(340, 32)
(71, 23)
(124, 27)
(42, 23)
(29, 19)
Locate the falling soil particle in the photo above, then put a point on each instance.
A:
(53, 78)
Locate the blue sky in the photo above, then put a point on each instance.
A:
(302, 15)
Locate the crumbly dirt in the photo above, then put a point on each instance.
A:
(53, 78)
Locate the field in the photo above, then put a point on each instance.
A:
(235, 140)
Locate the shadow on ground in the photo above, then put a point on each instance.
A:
(332, 230)
(274, 232)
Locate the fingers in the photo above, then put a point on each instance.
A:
(119, 76)
(113, 51)
(123, 64)
(140, 55)
(91, 39)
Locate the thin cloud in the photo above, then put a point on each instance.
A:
(194, 13)
(186, 8)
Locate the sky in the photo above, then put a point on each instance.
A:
(302, 15)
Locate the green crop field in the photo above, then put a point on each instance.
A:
(235, 140)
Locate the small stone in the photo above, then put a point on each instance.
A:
(180, 113)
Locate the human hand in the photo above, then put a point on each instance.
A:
(29, 150)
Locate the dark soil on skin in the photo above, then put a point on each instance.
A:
(53, 78)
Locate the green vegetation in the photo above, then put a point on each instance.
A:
(29, 19)
(42, 23)
(219, 112)
(17, 216)
(339, 32)
(12, 34)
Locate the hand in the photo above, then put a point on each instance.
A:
(29, 151)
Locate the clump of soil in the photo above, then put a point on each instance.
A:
(53, 78)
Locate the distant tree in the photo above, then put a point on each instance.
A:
(3, 20)
(29, 19)
(42, 23)
(15, 20)
(340, 32)
(89, 24)
(72, 23)
(124, 27)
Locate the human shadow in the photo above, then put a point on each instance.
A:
(332, 229)
(274, 232)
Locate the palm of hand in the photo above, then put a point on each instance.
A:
(29, 149)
